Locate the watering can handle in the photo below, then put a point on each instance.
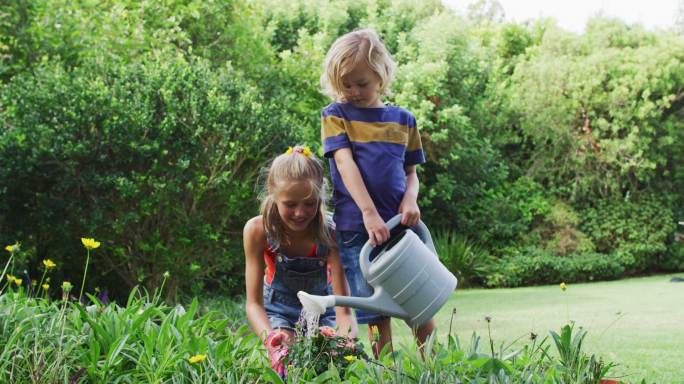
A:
(421, 229)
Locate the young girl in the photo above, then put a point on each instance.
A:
(294, 241)
(373, 149)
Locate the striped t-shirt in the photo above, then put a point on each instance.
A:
(383, 141)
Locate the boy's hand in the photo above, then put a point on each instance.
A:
(378, 232)
(410, 213)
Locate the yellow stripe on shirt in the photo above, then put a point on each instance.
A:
(333, 126)
(362, 132)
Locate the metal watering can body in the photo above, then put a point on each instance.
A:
(408, 279)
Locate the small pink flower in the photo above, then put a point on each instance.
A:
(327, 331)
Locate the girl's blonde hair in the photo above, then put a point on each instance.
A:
(361, 46)
(295, 165)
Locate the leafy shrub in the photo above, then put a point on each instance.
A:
(577, 367)
(599, 109)
(467, 261)
(156, 159)
(504, 215)
(125, 30)
(532, 266)
(311, 356)
(145, 341)
(674, 260)
(557, 231)
(637, 230)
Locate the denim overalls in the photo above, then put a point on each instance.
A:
(309, 274)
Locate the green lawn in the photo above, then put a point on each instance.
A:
(637, 323)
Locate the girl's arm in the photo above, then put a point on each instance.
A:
(254, 241)
(345, 319)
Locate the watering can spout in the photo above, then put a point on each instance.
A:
(380, 302)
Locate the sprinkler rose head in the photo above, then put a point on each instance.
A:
(312, 303)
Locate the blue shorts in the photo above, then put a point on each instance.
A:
(283, 310)
(350, 244)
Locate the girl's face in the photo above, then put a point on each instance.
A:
(297, 205)
(361, 87)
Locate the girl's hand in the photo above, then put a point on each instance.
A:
(276, 345)
(378, 232)
(410, 213)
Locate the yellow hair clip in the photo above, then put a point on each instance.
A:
(303, 150)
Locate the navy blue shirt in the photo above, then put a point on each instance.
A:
(383, 141)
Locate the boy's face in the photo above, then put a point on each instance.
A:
(361, 87)
(297, 205)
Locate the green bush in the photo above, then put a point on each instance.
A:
(466, 260)
(504, 215)
(44, 341)
(145, 341)
(675, 258)
(533, 266)
(558, 231)
(637, 230)
(155, 159)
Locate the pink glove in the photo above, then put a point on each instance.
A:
(277, 350)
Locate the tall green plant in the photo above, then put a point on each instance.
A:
(469, 262)
(574, 365)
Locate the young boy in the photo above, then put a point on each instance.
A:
(373, 149)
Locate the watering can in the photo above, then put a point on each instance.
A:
(409, 280)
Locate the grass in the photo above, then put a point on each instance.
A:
(637, 323)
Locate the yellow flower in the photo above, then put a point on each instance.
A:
(301, 149)
(18, 282)
(90, 243)
(66, 286)
(563, 287)
(13, 247)
(11, 278)
(350, 358)
(46, 286)
(49, 264)
(197, 359)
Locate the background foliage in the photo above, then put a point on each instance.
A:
(144, 124)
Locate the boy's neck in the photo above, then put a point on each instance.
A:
(378, 104)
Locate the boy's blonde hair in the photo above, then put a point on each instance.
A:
(293, 166)
(361, 46)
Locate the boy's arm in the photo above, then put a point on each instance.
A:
(378, 232)
(410, 213)
(253, 240)
(345, 319)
